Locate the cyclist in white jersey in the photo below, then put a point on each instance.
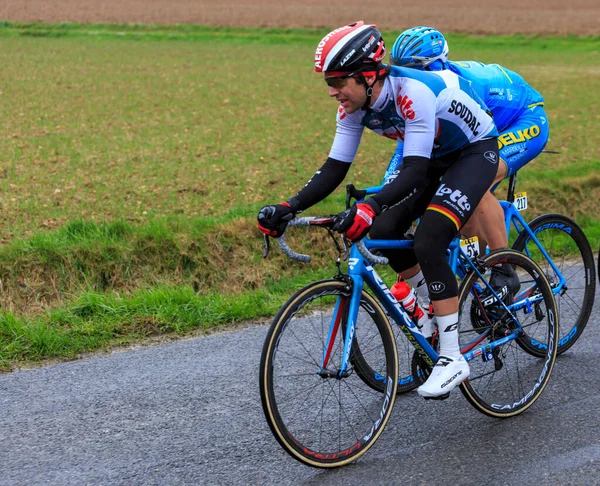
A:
(450, 159)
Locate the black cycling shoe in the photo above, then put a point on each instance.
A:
(506, 284)
(486, 313)
(504, 275)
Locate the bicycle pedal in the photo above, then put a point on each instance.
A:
(441, 397)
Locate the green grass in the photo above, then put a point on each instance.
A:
(97, 320)
(134, 159)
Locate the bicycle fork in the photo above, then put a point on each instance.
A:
(346, 310)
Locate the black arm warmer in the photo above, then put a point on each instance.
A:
(411, 176)
(323, 183)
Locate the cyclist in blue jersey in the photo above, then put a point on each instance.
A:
(518, 112)
(450, 159)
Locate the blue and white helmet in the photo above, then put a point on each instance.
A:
(420, 47)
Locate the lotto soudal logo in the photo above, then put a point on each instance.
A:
(369, 43)
(436, 287)
(491, 156)
(466, 115)
(456, 196)
(405, 105)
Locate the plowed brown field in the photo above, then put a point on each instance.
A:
(579, 17)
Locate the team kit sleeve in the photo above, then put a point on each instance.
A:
(347, 136)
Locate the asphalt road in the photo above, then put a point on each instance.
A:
(188, 413)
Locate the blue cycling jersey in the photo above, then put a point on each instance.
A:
(504, 92)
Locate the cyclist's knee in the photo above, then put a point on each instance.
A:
(502, 171)
(431, 244)
(432, 238)
(388, 228)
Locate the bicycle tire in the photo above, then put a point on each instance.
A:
(507, 380)
(298, 334)
(571, 252)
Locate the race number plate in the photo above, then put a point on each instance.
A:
(470, 246)
(521, 201)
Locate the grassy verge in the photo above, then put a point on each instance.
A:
(134, 159)
(88, 286)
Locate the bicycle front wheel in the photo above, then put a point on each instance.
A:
(506, 377)
(410, 367)
(321, 415)
(569, 249)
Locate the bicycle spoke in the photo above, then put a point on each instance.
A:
(509, 377)
(572, 256)
(323, 416)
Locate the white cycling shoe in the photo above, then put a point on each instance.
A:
(446, 375)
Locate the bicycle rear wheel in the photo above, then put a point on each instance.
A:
(569, 249)
(506, 378)
(323, 417)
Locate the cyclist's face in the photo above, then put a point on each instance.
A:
(348, 92)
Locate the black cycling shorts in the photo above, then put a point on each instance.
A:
(455, 185)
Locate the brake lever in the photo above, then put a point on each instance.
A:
(267, 246)
(353, 192)
(349, 192)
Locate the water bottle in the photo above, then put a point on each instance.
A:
(405, 294)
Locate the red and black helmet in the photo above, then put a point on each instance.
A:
(353, 48)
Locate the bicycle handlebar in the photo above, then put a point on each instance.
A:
(287, 251)
(371, 257)
(326, 223)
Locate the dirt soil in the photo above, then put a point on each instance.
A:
(579, 17)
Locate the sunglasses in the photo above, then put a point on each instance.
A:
(338, 82)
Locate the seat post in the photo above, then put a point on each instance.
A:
(512, 182)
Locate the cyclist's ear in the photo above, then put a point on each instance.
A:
(370, 80)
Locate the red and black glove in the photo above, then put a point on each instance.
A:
(356, 221)
(272, 220)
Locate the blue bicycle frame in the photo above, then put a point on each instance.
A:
(361, 272)
(512, 215)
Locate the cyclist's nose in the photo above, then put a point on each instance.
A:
(333, 92)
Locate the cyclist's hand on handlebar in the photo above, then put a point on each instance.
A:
(272, 220)
(356, 221)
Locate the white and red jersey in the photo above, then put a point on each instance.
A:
(433, 113)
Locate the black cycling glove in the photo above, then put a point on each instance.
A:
(272, 220)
